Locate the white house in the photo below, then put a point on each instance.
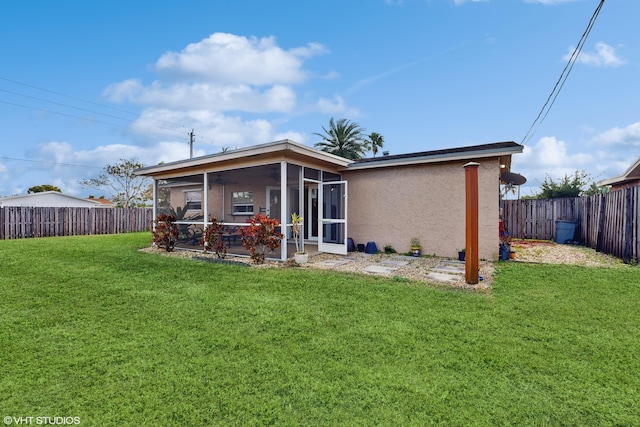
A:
(49, 199)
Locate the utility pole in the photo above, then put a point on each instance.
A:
(191, 137)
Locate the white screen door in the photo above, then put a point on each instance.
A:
(332, 222)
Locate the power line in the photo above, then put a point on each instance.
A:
(91, 119)
(50, 163)
(66, 96)
(551, 99)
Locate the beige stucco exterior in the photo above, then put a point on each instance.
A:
(389, 206)
(390, 199)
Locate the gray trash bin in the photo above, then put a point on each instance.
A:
(565, 231)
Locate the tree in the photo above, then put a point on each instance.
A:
(343, 138)
(374, 142)
(42, 188)
(580, 183)
(127, 190)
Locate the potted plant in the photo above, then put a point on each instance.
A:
(301, 257)
(505, 246)
(415, 246)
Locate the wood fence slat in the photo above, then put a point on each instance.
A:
(608, 223)
(18, 222)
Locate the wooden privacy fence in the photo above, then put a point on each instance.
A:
(18, 222)
(608, 223)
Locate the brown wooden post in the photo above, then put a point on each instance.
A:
(471, 230)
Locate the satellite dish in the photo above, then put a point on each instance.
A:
(512, 178)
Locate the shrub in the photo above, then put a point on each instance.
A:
(261, 237)
(165, 232)
(213, 238)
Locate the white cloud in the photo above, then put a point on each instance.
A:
(209, 86)
(335, 106)
(212, 96)
(127, 90)
(620, 137)
(229, 58)
(550, 156)
(604, 56)
(213, 129)
(617, 148)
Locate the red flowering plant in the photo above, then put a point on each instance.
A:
(165, 232)
(213, 239)
(261, 236)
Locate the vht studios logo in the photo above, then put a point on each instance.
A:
(42, 421)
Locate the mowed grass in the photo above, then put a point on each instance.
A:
(93, 328)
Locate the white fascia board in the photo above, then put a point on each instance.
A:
(252, 151)
(434, 158)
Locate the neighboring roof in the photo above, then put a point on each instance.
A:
(448, 154)
(631, 174)
(104, 202)
(48, 199)
(275, 147)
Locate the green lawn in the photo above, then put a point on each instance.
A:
(93, 328)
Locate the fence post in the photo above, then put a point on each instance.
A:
(628, 222)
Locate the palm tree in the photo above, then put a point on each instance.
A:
(375, 142)
(343, 138)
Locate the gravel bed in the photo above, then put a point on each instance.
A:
(552, 253)
(417, 268)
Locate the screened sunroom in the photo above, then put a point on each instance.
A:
(275, 179)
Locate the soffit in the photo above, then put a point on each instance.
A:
(250, 156)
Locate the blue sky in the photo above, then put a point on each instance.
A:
(84, 84)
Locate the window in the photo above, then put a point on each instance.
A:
(193, 200)
(242, 202)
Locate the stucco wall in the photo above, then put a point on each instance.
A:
(391, 205)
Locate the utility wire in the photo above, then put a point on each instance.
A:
(50, 163)
(551, 99)
(163, 127)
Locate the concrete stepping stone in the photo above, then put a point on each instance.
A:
(453, 262)
(443, 277)
(448, 269)
(396, 263)
(334, 262)
(378, 269)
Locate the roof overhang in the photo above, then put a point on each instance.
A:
(631, 174)
(503, 150)
(243, 156)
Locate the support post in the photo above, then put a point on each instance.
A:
(471, 264)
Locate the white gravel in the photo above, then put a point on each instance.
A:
(416, 268)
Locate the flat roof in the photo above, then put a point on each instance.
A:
(447, 154)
